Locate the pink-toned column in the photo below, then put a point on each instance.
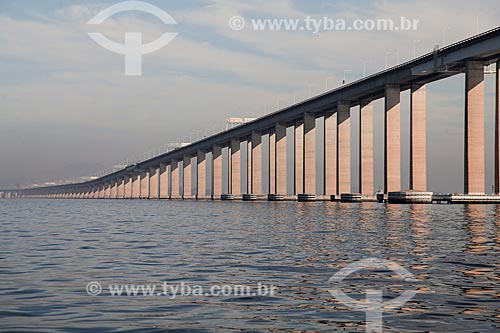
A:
(101, 191)
(136, 186)
(235, 169)
(392, 148)
(144, 185)
(114, 190)
(154, 183)
(330, 147)
(128, 187)
(474, 128)
(121, 189)
(309, 177)
(366, 148)
(164, 181)
(249, 166)
(175, 192)
(418, 132)
(256, 163)
(281, 159)
(216, 172)
(497, 130)
(299, 158)
(344, 147)
(272, 162)
(187, 176)
(201, 182)
(107, 191)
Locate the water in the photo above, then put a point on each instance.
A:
(51, 249)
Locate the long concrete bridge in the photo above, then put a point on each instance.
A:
(160, 177)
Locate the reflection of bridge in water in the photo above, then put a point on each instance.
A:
(197, 170)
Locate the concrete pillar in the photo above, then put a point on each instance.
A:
(344, 147)
(216, 171)
(474, 128)
(330, 147)
(249, 166)
(101, 191)
(256, 163)
(418, 132)
(136, 186)
(280, 169)
(154, 183)
(299, 158)
(175, 192)
(107, 191)
(114, 190)
(95, 192)
(497, 130)
(392, 146)
(309, 154)
(121, 189)
(272, 162)
(187, 176)
(235, 169)
(366, 148)
(201, 182)
(164, 181)
(144, 194)
(128, 187)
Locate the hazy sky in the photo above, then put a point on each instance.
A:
(66, 108)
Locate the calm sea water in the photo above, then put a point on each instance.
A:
(51, 249)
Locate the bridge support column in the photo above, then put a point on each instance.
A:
(175, 192)
(497, 130)
(474, 128)
(101, 191)
(299, 158)
(144, 194)
(330, 159)
(164, 181)
(187, 177)
(216, 172)
(392, 145)
(114, 189)
(128, 187)
(272, 162)
(136, 186)
(201, 182)
(256, 163)
(154, 184)
(280, 160)
(309, 164)
(235, 167)
(249, 166)
(344, 147)
(418, 132)
(107, 191)
(121, 189)
(366, 148)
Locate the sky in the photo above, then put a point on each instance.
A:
(68, 110)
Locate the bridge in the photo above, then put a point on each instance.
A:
(160, 177)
